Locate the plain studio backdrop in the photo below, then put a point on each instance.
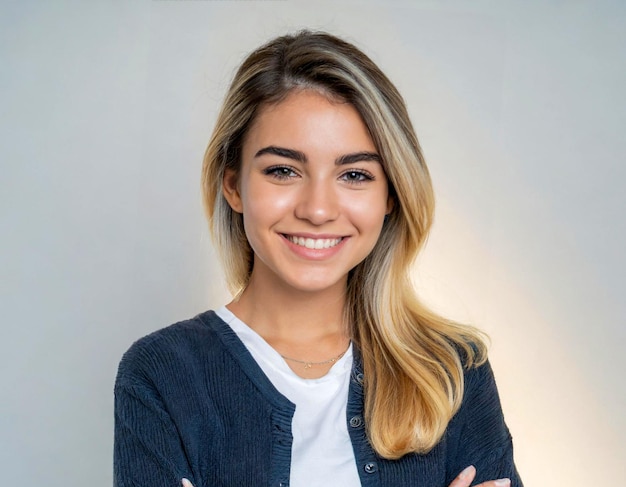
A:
(106, 108)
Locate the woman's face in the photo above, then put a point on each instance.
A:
(312, 192)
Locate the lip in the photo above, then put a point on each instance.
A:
(314, 253)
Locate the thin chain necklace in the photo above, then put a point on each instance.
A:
(308, 365)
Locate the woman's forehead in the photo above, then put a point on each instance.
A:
(310, 118)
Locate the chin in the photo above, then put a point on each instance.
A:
(315, 285)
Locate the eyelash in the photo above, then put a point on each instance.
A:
(278, 172)
(363, 176)
(282, 173)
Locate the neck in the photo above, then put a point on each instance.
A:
(282, 313)
(306, 326)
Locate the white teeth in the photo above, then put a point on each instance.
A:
(314, 243)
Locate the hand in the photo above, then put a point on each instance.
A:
(465, 479)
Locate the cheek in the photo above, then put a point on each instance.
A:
(367, 213)
(262, 207)
(260, 201)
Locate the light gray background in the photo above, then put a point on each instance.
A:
(105, 111)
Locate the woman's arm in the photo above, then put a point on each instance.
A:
(147, 449)
(464, 479)
(480, 436)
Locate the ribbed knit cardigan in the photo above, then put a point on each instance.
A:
(190, 401)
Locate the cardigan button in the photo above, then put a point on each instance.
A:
(370, 467)
(356, 421)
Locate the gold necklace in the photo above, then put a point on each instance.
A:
(308, 365)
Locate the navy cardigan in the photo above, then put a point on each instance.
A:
(190, 401)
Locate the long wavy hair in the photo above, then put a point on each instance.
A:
(413, 359)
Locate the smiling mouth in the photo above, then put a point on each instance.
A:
(314, 243)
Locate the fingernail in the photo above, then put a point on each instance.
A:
(187, 483)
(502, 482)
(466, 472)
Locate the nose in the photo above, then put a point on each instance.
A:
(318, 202)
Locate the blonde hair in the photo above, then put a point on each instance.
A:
(413, 359)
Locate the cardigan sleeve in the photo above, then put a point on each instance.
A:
(480, 436)
(148, 450)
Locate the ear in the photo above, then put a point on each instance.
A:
(230, 190)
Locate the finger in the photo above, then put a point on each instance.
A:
(465, 478)
(496, 483)
(187, 483)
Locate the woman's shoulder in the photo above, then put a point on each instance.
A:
(477, 371)
(479, 378)
(187, 333)
(481, 407)
(173, 347)
(479, 383)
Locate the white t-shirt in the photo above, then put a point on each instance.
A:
(321, 454)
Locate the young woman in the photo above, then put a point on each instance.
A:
(325, 369)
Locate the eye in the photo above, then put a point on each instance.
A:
(280, 172)
(359, 176)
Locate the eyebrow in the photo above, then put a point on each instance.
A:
(296, 155)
